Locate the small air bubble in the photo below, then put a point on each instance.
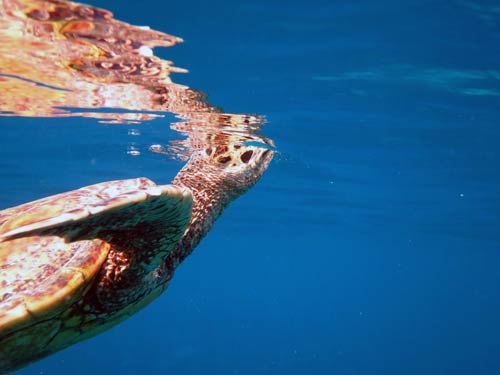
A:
(134, 132)
(146, 51)
(133, 151)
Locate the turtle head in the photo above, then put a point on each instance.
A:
(227, 155)
(238, 166)
(225, 166)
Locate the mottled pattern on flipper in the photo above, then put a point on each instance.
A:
(56, 213)
(34, 268)
(76, 205)
(55, 246)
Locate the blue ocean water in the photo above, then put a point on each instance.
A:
(371, 244)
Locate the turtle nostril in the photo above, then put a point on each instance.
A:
(224, 159)
(245, 157)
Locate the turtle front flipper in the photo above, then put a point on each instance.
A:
(66, 261)
(91, 211)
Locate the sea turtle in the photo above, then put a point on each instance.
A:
(75, 264)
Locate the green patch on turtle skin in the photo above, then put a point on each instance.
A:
(38, 336)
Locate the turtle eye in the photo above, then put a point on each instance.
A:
(245, 157)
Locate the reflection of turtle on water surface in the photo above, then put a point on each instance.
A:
(75, 264)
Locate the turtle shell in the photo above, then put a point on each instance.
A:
(50, 250)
